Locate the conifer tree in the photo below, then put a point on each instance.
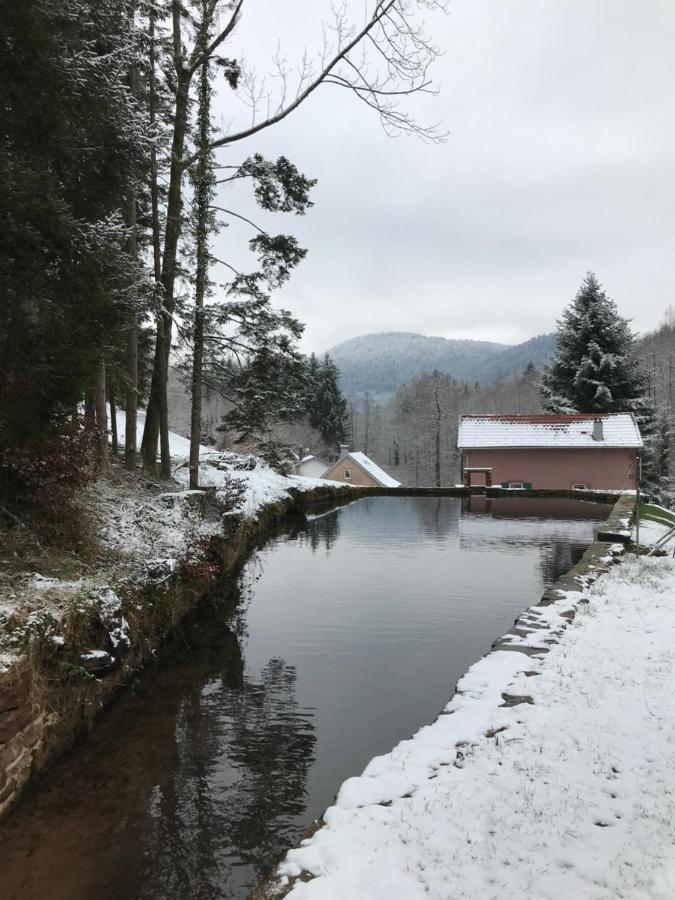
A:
(327, 407)
(73, 141)
(595, 367)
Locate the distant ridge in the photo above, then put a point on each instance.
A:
(379, 363)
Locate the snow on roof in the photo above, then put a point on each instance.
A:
(619, 430)
(373, 469)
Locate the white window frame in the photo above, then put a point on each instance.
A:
(581, 486)
(348, 474)
(516, 485)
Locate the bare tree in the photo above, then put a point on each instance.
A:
(437, 436)
(381, 61)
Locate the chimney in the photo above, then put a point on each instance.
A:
(344, 450)
(598, 433)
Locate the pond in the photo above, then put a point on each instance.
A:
(349, 632)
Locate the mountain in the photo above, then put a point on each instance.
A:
(379, 363)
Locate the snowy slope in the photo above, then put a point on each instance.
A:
(220, 468)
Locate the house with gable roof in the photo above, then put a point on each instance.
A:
(311, 466)
(356, 468)
(595, 451)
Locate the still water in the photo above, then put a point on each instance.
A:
(349, 632)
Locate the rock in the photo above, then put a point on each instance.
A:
(97, 662)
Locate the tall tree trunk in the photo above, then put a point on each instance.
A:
(101, 418)
(151, 430)
(157, 421)
(202, 199)
(131, 394)
(89, 410)
(113, 415)
(438, 437)
(131, 405)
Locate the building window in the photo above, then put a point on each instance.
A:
(516, 485)
(579, 487)
(348, 474)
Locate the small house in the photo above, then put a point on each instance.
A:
(548, 452)
(311, 466)
(357, 468)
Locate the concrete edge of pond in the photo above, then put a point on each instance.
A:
(531, 634)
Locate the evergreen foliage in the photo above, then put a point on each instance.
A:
(250, 348)
(72, 140)
(595, 367)
(326, 406)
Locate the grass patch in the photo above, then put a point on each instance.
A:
(650, 512)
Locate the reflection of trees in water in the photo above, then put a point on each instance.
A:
(228, 804)
(558, 558)
(322, 531)
(273, 742)
(437, 515)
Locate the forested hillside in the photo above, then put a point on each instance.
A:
(379, 363)
(413, 434)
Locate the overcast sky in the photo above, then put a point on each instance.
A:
(560, 158)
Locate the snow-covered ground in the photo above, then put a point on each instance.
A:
(144, 534)
(569, 795)
(220, 469)
(656, 524)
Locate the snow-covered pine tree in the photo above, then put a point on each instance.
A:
(595, 367)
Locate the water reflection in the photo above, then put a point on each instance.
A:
(322, 531)
(437, 516)
(349, 633)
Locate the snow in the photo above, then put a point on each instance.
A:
(655, 523)
(224, 469)
(373, 469)
(569, 795)
(481, 432)
(144, 537)
(651, 533)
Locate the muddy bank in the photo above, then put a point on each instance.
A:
(56, 691)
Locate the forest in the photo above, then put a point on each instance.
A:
(114, 300)
(413, 433)
(112, 178)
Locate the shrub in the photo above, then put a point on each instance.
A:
(44, 476)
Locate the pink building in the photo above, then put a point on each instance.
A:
(595, 451)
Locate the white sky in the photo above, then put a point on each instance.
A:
(560, 158)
